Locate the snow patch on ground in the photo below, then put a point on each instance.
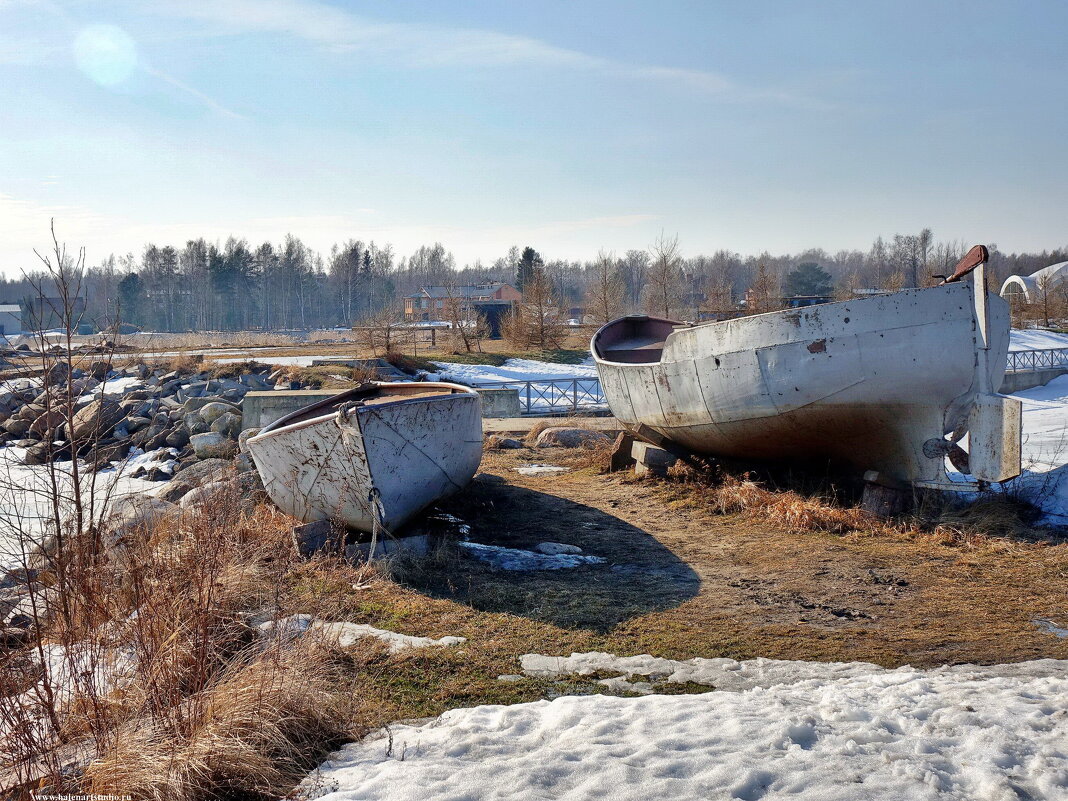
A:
(513, 370)
(833, 734)
(518, 559)
(26, 492)
(348, 634)
(1044, 481)
(1036, 339)
(540, 469)
(1051, 627)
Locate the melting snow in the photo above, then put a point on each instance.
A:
(539, 469)
(824, 733)
(1036, 339)
(514, 370)
(1051, 627)
(1044, 481)
(347, 634)
(517, 559)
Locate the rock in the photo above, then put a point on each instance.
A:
(99, 370)
(135, 424)
(47, 421)
(17, 427)
(106, 454)
(245, 436)
(141, 511)
(556, 548)
(243, 463)
(489, 478)
(96, 419)
(178, 437)
(497, 443)
(194, 423)
(200, 494)
(31, 411)
(200, 472)
(570, 438)
(213, 445)
(228, 424)
(42, 452)
(174, 491)
(210, 412)
(621, 457)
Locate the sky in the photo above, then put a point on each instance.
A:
(568, 125)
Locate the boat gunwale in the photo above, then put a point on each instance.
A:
(280, 426)
(599, 359)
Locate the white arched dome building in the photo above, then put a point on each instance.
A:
(1028, 288)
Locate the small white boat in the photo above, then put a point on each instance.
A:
(888, 383)
(372, 457)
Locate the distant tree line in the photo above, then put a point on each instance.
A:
(236, 286)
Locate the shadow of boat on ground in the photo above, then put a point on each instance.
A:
(639, 576)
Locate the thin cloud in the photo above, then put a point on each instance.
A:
(427, 46)
(194, 93)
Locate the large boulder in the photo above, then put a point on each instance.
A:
(47, 421)
(199, 472)
(245, 436)
(213, 445)
(570, 438)
(210, 412)
(142, 511)
(95, 419)
(31, 411)
(497, 443)
(17, 426)
(228, 424)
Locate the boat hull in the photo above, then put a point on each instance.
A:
(867, 382)
(373, 465)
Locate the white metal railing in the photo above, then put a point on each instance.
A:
(1045, 359)
(553, 394)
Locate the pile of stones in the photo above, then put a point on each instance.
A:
(140, 407)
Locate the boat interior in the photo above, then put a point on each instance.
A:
(635, 339)
(368, 395)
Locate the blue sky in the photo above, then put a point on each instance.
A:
(570, 126)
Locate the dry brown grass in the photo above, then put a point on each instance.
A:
(535, 430)
(262, 724)
(185, 363)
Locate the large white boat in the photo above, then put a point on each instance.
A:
(887, 383)
(372, 457)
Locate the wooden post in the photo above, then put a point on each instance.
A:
(883, 496)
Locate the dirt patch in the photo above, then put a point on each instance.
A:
(682, 581)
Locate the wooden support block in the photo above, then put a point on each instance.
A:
(884, 498)
(651, 460)
(621, 452)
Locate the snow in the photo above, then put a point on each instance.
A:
(1036, 339)
(821, 734)
(166, 459)
(348, 634)
(518, 559)
(514, 370)
(25, 492)
(540, 469)
(1044, 481)
(1051, 627)
(294, 361)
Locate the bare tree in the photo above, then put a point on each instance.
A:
(536, 322)
(605, 297)
(763, 295)
(664, 290)
(458, 313)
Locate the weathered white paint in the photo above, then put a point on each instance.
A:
(866, 381)
(387, 458)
